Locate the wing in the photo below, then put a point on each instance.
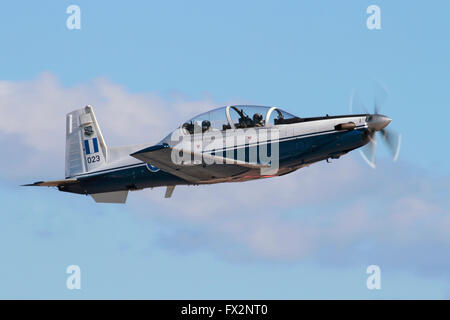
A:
(161, 156)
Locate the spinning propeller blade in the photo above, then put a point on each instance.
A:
(368, 152)
(393, 141)
(377, 123)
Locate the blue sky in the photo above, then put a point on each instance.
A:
(145, 66)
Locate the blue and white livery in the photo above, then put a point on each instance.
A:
(229, 144)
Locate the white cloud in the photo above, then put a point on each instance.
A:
(338, 212)
(33, 120)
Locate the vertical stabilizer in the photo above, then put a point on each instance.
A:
(85, 147)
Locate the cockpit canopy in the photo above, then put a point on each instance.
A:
(237, 117)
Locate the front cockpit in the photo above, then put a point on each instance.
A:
(237, 117)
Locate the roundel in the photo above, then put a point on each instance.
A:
(152, 168)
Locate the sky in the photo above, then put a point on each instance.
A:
(146, 66)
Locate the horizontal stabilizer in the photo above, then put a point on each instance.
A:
(55, 183)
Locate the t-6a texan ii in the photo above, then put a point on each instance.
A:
(229, 144)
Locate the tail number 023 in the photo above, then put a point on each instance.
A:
(93, 159)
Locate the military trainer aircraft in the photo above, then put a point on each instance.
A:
(229, 144)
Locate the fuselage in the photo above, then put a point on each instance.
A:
(300, 144)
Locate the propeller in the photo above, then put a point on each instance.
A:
(377, 123)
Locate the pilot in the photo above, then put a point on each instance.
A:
(189, 127)
(206, 125)
(258, 120)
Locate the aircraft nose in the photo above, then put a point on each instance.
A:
(378, 122)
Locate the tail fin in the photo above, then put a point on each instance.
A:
(85, 148)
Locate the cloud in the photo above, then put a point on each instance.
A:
(337, 213)
(33, 125)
